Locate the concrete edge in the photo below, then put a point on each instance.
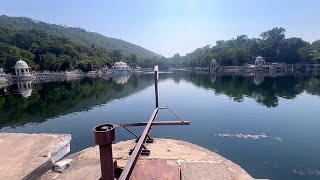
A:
(55, 153)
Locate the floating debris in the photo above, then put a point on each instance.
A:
(248, 136)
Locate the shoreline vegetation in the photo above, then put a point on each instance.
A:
(50, 47)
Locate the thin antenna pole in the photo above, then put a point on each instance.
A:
(156, 76)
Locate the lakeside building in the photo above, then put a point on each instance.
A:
(22, 70)
(120, 66)
(3, 76)
(260, 61)
(213, 65)
(260, 65)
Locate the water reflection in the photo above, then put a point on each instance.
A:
(213, 77)
(28, 101)
(36, 101)
(25, 88)
(257, 79)
(265, 89)
(121, 77)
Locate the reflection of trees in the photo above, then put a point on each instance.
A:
(49, 100)
(266, 93)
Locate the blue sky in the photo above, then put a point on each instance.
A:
(175, 26)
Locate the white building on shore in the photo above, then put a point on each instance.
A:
(22, 70)
(260, 61)
(213, 65)
(120, 66)
(3, 75)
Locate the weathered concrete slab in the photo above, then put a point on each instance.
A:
(28, 156)
(156, 169)
(86, 163)
(201, 170)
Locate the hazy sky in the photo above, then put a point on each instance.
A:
(175, 26)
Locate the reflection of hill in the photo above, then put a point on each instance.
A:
(50, 100)
(265, 92)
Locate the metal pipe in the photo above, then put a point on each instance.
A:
(134, 135)
(130, 131)
(104, 135)
(126, 173)
(159, 123)
(106, 161)
(175, 114)
(156, 75)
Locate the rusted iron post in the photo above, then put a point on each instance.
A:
(104, 135)
(156, 76)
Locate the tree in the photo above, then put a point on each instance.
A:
(315, 50)
(133, 60)
(84, 66)
(271, 40)
(50, 62)
(10, 62)
(116, 55)
(289, 50)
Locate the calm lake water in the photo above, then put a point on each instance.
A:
(269, 126)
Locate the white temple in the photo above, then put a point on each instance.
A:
(2, 74)
(22, 70)
(260, 61)
(213, 65)
(120, 66)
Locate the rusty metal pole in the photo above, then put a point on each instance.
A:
(156, 76)
(104, 135)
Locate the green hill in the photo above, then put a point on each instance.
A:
(77, 35)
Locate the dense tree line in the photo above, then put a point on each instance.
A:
(58, 48)
(43, 51)
(77, 35)
(46, 52)
(272, 45)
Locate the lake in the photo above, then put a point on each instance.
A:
(270, 126)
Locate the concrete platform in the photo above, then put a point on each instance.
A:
(28, 156)
(194, 162)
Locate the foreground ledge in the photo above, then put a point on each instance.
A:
(28, 156)
(193, 161)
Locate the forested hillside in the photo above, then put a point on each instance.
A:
(272, 45)
(57, 48)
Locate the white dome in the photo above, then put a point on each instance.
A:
(213, 60)
(21, 64)
(259, 59)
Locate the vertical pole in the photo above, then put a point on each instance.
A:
(156, 85)
(104, 135)
(106, 161)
